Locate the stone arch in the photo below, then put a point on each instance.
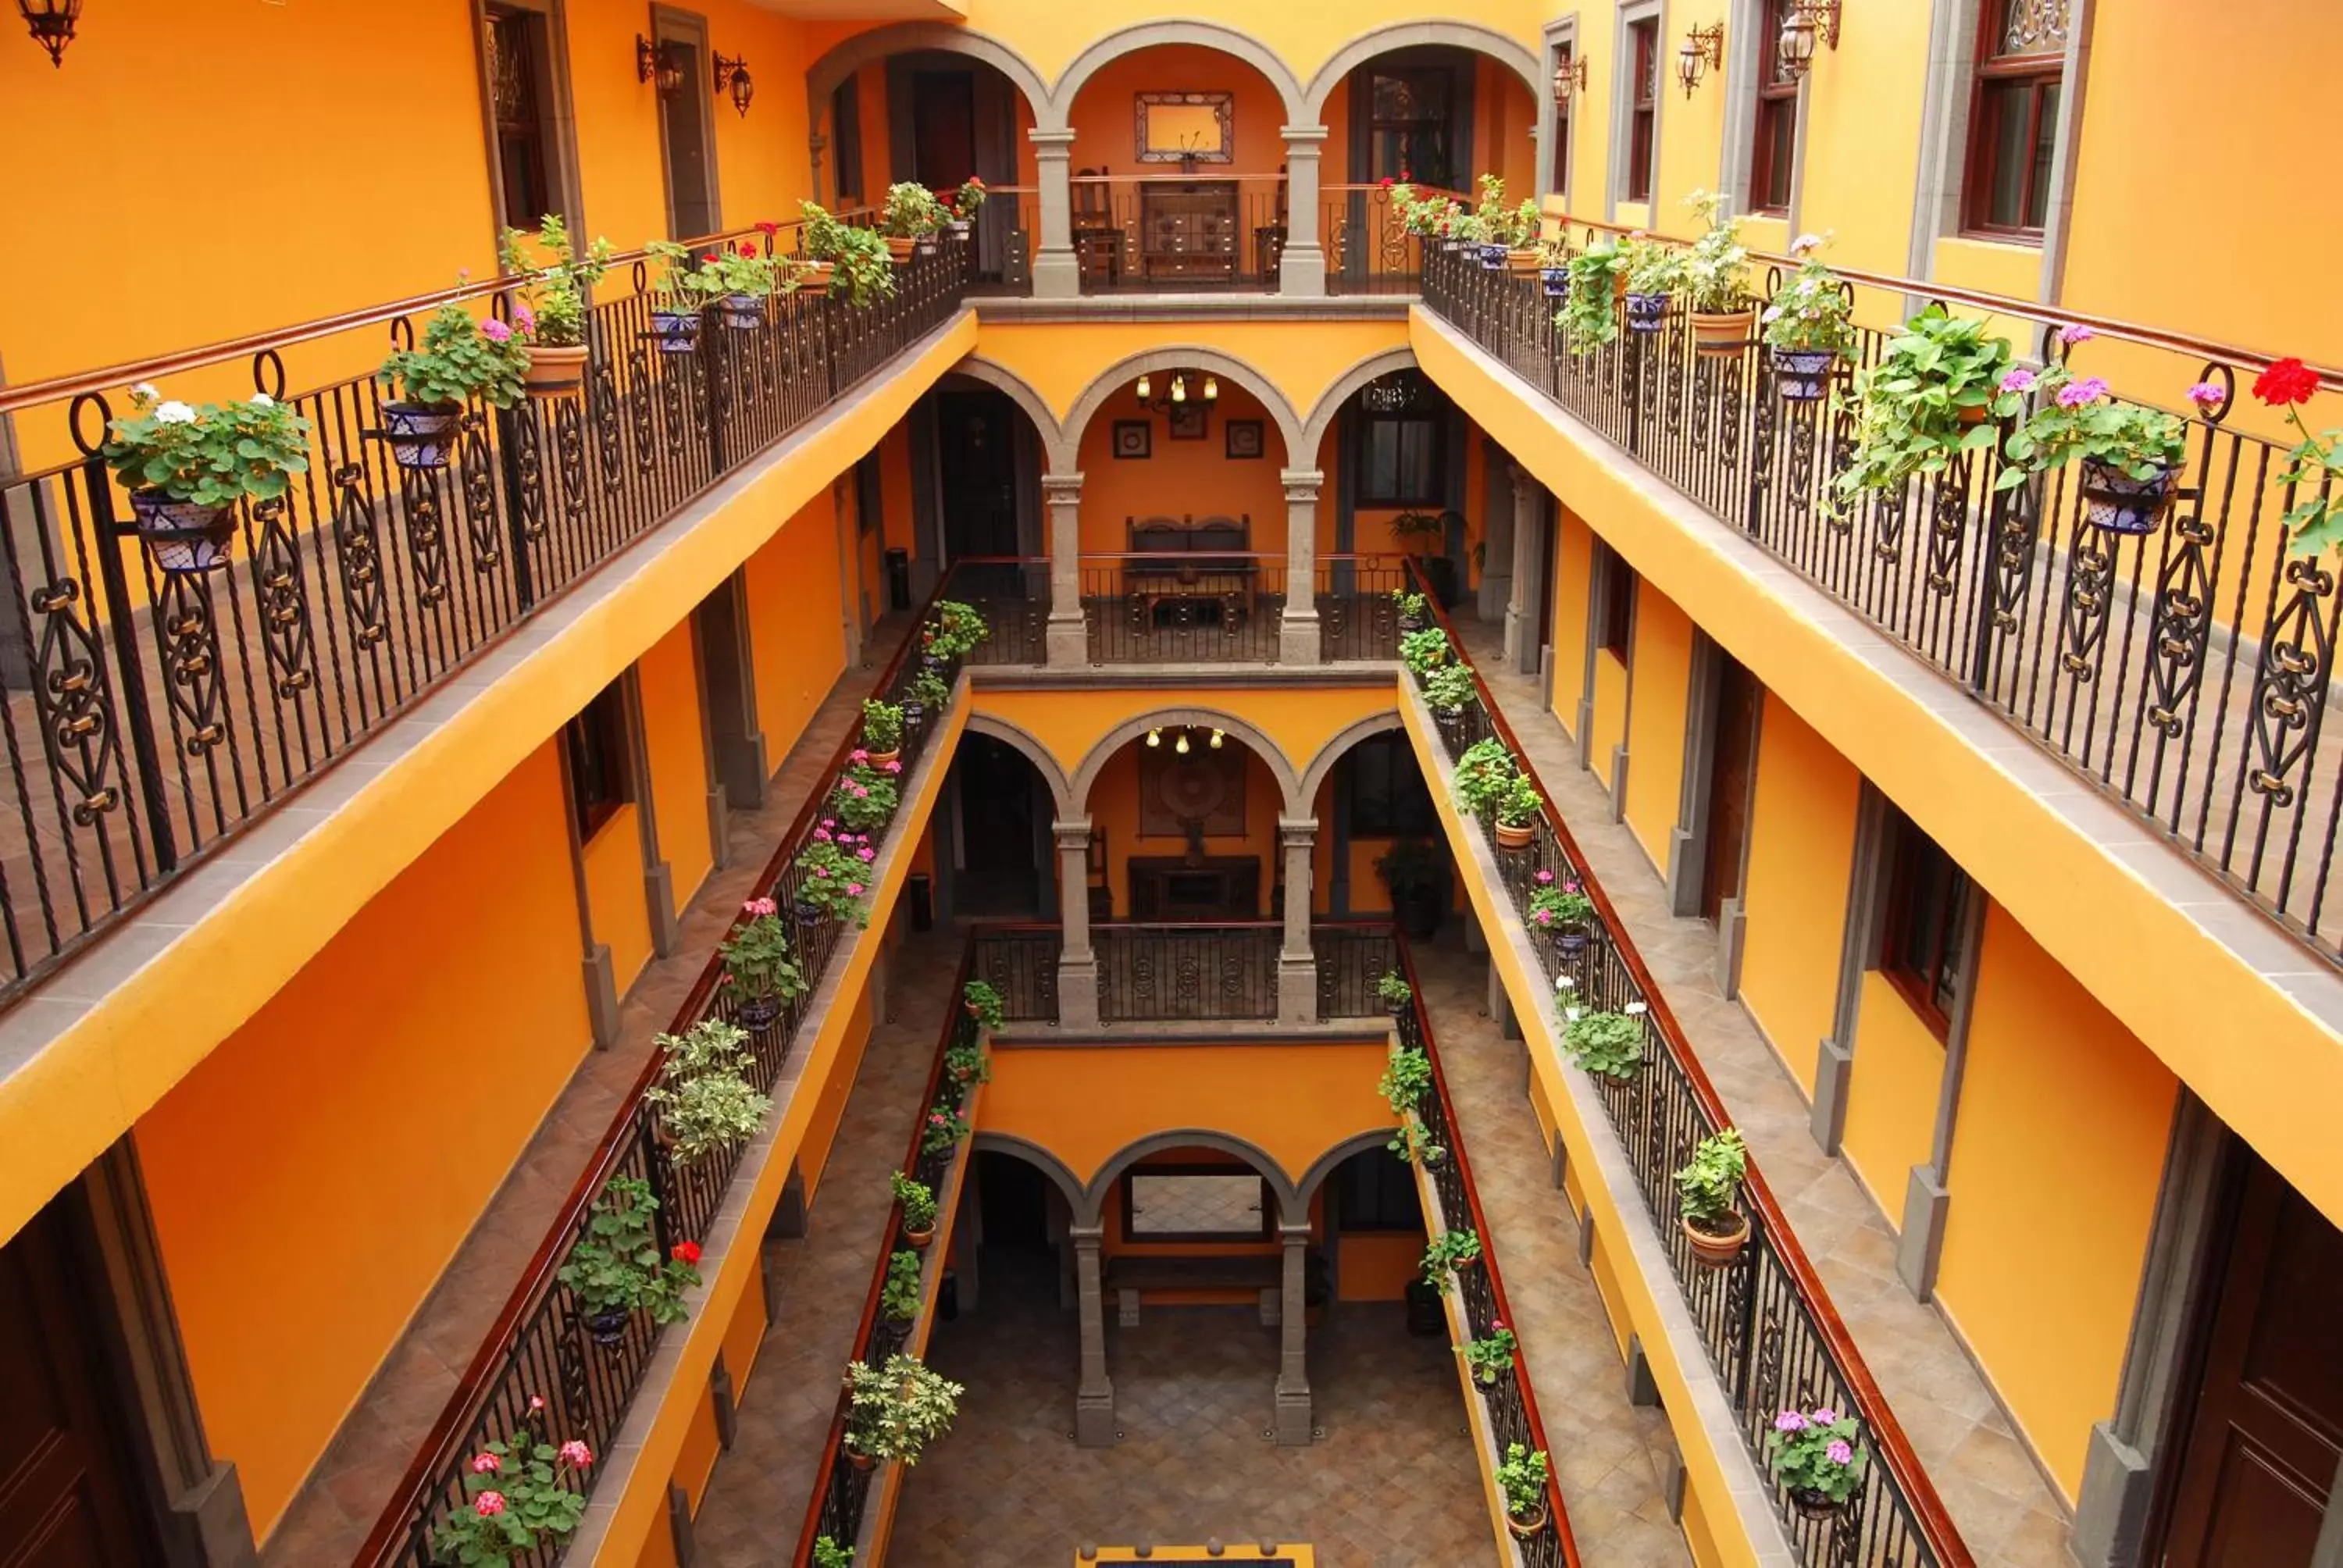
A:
(1055, 447)
(1324, 1165)
(1322, 765)
(1066, 804)
(1041, 1158)
(1094, 763)
(1188, 357)
(1204, 35)
(1290, 1207)
(850, 54)
(1345, 386)
(1510, 52)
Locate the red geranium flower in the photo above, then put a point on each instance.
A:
(747, 249)
(2287, 381)
(710, 257)
(767, 226)
(1384, 183)
(686, 1253)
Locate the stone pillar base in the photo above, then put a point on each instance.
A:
(659, 893)
(1066, 641)
(1294, 1427)
(1921, 1243)
(1302, 271)
(1517, 626)
(1297, 988)
(1078, 997)
(1833, 1065)
(601, 996)
(1094, 1419)
(1297, 636)
(1057, 275)
(719, 825)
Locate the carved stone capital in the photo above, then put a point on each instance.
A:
(1297, 832)
(1074, 835)
(1061, 489)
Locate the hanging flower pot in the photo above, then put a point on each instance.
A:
(2115, 503)
(1572, 939)
(744, 312)
(420, 434)
(1524, 1528)
(759, 1012)
(817, 275)
(1815, 1505)
(185, 537)
(957, 226)
(899, 247)
(607, 1328)
(809, 912)
(1493, 257)
(1646, 312)
(678, 331)
(1717, 1249)
(1555, 280)
(860, 1460)
(1804, 374)
(927, 244)
(915, 713)
(1722, 334)
(1523, 261)
(555, 369)
(1515, 836)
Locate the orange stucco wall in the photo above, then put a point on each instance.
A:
(829, 1110)
(1608, 725)
(1376, 1266)
(616, 896)
(1114, 806)
(795, 635)
(1574, 565)
(673, 736)
(1655, 721)
(312, 1176)
(1104, 115)
(1184, 479)
(1892, 1093)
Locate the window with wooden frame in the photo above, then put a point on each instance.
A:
(1412, 127)
(2013, 116)
(596, 741)
(1403, 442)
(1565, 57)
(1774, 151)
(1615, 616)
(1923, 947)
(517, 45)
(1644, 109)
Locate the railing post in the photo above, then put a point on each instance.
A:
(1066, 636)
(1077, 992)
(113, 539)
(1297, 964)
(1298, 628)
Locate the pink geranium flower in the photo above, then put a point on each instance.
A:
(576, 1454)
(486, 1464)
(489, 1505)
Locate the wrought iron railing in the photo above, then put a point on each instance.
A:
(1168, 608)
(149, 715)
(1352, 954)
(539, 1347)
(1369, 249)
(1357, 617)
(1152, 972)
(2187, 672)
(1013, 593)
(1021, 963)
(1766, 1322)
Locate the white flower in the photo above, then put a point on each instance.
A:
(1805, 242)
(1564, 982)
(146, 392)
(262, 400)
(175, 412)
(1570, 1015)
(1634, 1010)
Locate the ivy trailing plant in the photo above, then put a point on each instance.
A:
(705, 1098)
(829, 1554)
(984, 1004)
(1589, 316)
(899, 1298)
(1925, 402)
(1450, 1253)
(1392, 991)
(1412, 1145)
(1406, 1080)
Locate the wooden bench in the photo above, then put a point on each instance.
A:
(1127, 1277)
(1188, 558)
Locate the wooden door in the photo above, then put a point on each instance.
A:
(943, 130)
(2260, 1455)
(976, 449)
(69, 1493)
(1733, 762)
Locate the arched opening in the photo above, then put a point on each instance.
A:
(1414, 475)
(1380, 849)
(972, 459)
(994, 856)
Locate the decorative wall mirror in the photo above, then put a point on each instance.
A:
(1187, 127)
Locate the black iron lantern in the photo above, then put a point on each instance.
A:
(733, 73)
(51, 23)
(654, 62)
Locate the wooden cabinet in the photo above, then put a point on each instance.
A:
(1188, 229)
(1213, 888)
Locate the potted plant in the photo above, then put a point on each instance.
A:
(1508, 235)
(864, 798)
(966, 1065)
(898, 1297)
(1450, 1254)
(1425, 536)
(759, 976)
(1608, 1044)
(852, 263)
(1589, 316)
(551, 312)
(832, 872)
(1517, 808)
(615, 1268)
(1407, 1077)
(743, 279)
(1449, 690)
(1807, 325)
(1812, 1455)
(681, 292)
(927, 694)
(965, 204)
(829, 1554)
(460, 360)
(954, 632)
(1425, 651)
(1392, 988)
(1482, 775)
(517, 1497)
(983, 1004)
(882, 731)
(2130, 454)
(1490, 1357)
(944, 1129)
(1925, 402)
(186, 468)
(1708, 1191)
(1523, 1479)
(1553, 268)
(1415, 874)
(1724, 314)
(705, 1098)
(1562, 909)
(1655, 270)
(895, 1410)
(1415, 610)
(911, 214)
(2316, 519)
(919, 1204)
(1412, 1145)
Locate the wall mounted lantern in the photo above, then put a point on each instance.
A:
(1809, 22)
(51, 23)
(1569, 75)
(734, 73)
(1703, 48)
(656, 63)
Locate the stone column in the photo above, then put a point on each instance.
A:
(1094, 1397)
(1066, 641)
(1297, 965)
(1297, 638)
(1077, 963)
(1302, 270)
(1056, 274)
(1523, 638)
(1293, 1332)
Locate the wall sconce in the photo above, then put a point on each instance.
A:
(51, 23)
(1808, 23)
(1569, 76)
(734, 73)
(653, 62)
(1703, 48)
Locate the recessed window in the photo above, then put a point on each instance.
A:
(520, 49)
(1644, 109)
(845, 135)
(1210, 1204)
(1774, 155)
(1565, 56)
(1403, 443)
(870, 509)
(596, 743)
(1924, 952)
(1388, 798)
(1375, 1192)
(1615, 615)
(1412, 132)
(2013, 116)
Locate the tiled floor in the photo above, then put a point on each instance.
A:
(328, 1519)
(2006, 1512)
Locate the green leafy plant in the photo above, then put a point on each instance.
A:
(1449, 689)
(1558, 905)
(1483, 772)
(1810, 313)
(2076, 419)
(983, 1003)
(1523, 1479)
(944, 1128)
(1419, 533)
(955, 631)
(460, 360)
(967, 1064)
(899, 1298)
(835, 880)
(1518, 804)
(829, 1554)
(918, 1199)
(965, 202)
(862, 274)
(910, 211)
(1815, 1452)
(1515, 227)
(616, 1268)
(706, 1102)
(928, 690)
(1490, 1356)
(865, 797)
(1707, 1188)
(212, 456)
(1654, 265)
(1392, 988)
(895, 1410)
(689, 282)
(1589, 314)
(518, 1496)
(1410, 605)
(1423, 651)
(1407, 1078)
(552, 289)
(757, 962)
(1716, 268)
(883, 726)
(1919, 406)
(1450, 1253)
(1607, 1043)
(1414, 1145)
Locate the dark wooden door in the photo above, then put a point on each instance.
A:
(2261, 1446)
(690, 172)
(69, 1496)
(1731, 764)
(943, 128)
(1002, 863)
(976, 444)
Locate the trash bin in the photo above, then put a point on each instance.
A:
(920, 890)
(899, 580)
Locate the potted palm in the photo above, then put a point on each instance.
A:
(2130, 454)
(895, 1410)
(1417, 876)
(705, 1098)
(1606, 1044)
(1708, 1191)
(1807, 325)
(615, 1270)
(759, 975)
(1925, 402)
(917, 1201)
(1724, 314)
(186, 468)
(551, 312)
(1812, 1455)
(460, 360)
(1523, 1479)
(1655, 270)
(909, 219)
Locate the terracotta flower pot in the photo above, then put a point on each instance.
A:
(1717, 1249)
(421, 434)
(1974, 416)
(1521, 262)
(881, 759)
(1512, 836)
(184, 537)
(1722, 334)
(817, 275)
(1523, 1529)
(555, 370)
(860, 1460)
(900, 249)
(918, 1240)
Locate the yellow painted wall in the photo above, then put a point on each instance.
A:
(1655, 721)
(744, 1340)
(2058, 1154)
(795, 636)
(1608, 727)
(615, 894)
(1183, 480)
(1574, 566)
(1801, 860)
(1376, 1266)
(674, 737)
(701, 1445)
(312, 1176)
(1892, 1094)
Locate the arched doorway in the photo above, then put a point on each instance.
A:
(995, 862)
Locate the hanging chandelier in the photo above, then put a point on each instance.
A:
(1180, 388)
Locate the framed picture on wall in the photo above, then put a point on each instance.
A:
(1133, 438)
(1244, 438)
(1188, 421)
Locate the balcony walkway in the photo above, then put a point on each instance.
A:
(328, 1519)
(2004, 1508)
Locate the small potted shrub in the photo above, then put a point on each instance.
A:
(1407, 1078)
(1607, 1044)
(1450, 1254)
(911, 216)
(2130, 454)
(1708, 1191)
(852, 263)
(954, 632)
(1589, 316)
(965, 203)
(919, 1204)
(1491, 1357)
(705, 1098)
(1517, 808)
(615, 1270)
(829, 1554)
(898, 1297)
(895, 1410)
(1449, 690)
(1415, 610)
(1812, 1455)
(1655, 270)
(1807, 326)
(833, 875)
(1416, 873)
(1562, 910)
(983, 1004)
(927, 694)
(1423, 651)
(1523, 1479)
(882, 731)
(1482, 774)
(759, 976)
(186, 468)
(517, 1497)
(551, 312)
(460, 360)
(1392, 991)
(944, 1129)
(1925, 402)
(1724, 314)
